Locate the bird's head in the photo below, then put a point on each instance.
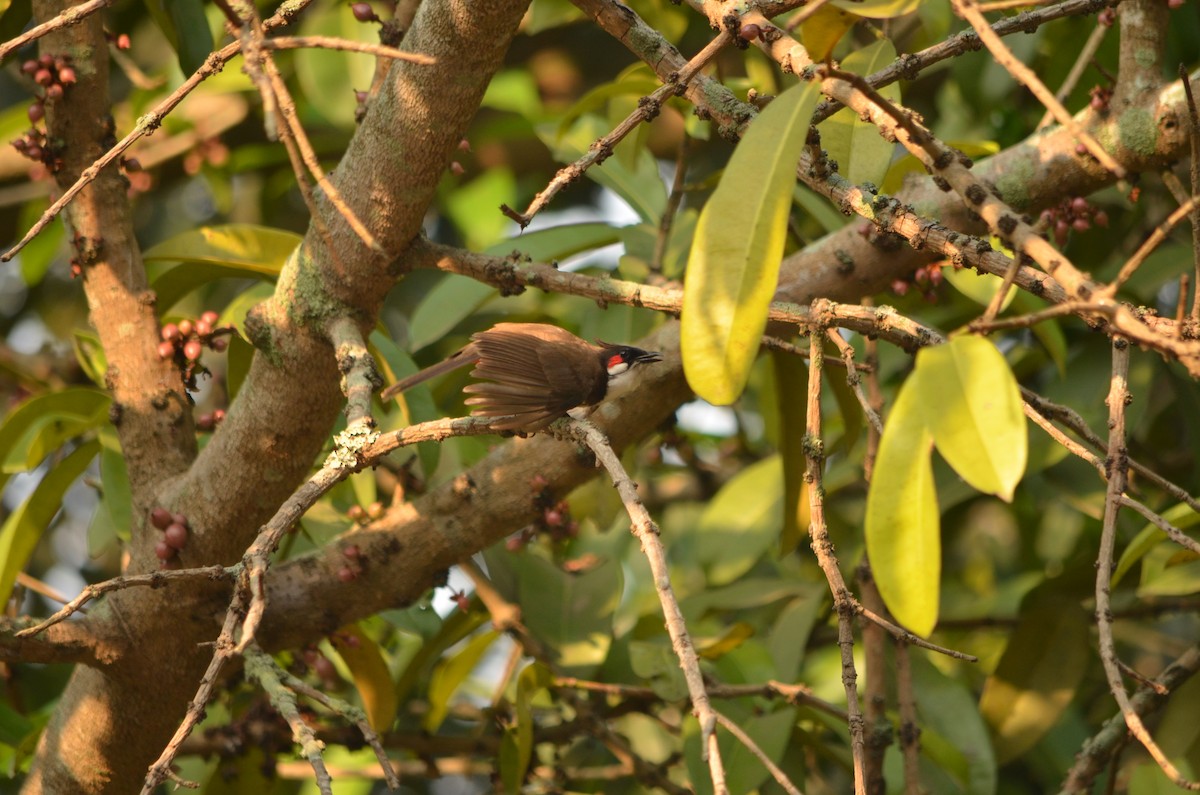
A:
(620, 360)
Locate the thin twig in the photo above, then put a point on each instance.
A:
(1086, 53)
(746, 740)
(263, 669)
(969, 10)
(1194, 172)
(348, 45)
(1156, 237)
(648, 107)
(814, 456)
(852, 377)
(72, 16)
(155, 579)
(910, 726)
(646, 531)
(1118, 396)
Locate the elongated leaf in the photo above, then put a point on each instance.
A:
(241, 251)
(451, 673)
(41, 424)
(1182, 516)
(972, 406)
(741, 523)
(517, 749)
(371, 676)
(571, 613)
(824, 29)
(791, 381)
(879, 9)
(733, 268)
(979, 287)
(862, 154)
(23, 528)
(903, 529)
(1043, 664)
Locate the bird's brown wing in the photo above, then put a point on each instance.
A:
(528, 371)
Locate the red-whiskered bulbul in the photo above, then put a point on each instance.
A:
(536, 373)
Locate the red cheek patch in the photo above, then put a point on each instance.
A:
(615, 360)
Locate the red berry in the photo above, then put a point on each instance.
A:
(35, 152)
(123, 41)
(1174, 4)
(210, 317)
(1101, 218)
(552, 518)
(1081, 224)
(166, 350)
(325, 669)
(375, 509)
(935, 276)
(1079, 204)
(176, 536)
(66, 75)
(515, 544)
(456, 168)
(132, 164)
(171, 333)
(352, 551)
(43, 77)
(346, 574)
(218, 415)
(205, 422)
(1080, 149)
(37, 112)
(356, 513)
(192, 350)
(45, 60)
(160, 517)
(186, 328)
(179, 518)
(464, 145)
(54, 91)
(203, 327)
(218, 344)
(749, 32)
(363, 12)
(30, 67)
(899, 287)
(163, 550)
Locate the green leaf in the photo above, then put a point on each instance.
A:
(451, 673)
(641, 187)
(369, 670)
(12, 22)
(1181, 515)
(329, 77)
(195, 40)
(514, 762)
(972, 406)
(90, 355)
(233, 251)
(958, 738)
(979, 287)
(734, 264)
(903, 529)
(791, 384)
(114, 480)
(24, 527)
(654, 662)
(14, 726)
(741, 523)
(570, 612)
(862, 154)
(40, 425)
(415, 405)
(879, 9)
(1046, 658)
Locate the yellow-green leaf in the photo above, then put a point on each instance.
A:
(862, 154)
(733, 268)
(371, 676)
(451, 673)
(903, 529)
(878, 9)
(23, 529)
(1039, 673)
(824, 29)
(972, 406)
(791, 381)
(979, 287)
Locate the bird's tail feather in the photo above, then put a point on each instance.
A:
(467, 355)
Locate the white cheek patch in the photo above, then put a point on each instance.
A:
(616, 366)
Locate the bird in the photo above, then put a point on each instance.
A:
(531, 374)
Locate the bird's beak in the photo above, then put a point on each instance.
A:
(646, 357)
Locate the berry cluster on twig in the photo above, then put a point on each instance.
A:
(175, 535)
(1074, 214)
(185, 341)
